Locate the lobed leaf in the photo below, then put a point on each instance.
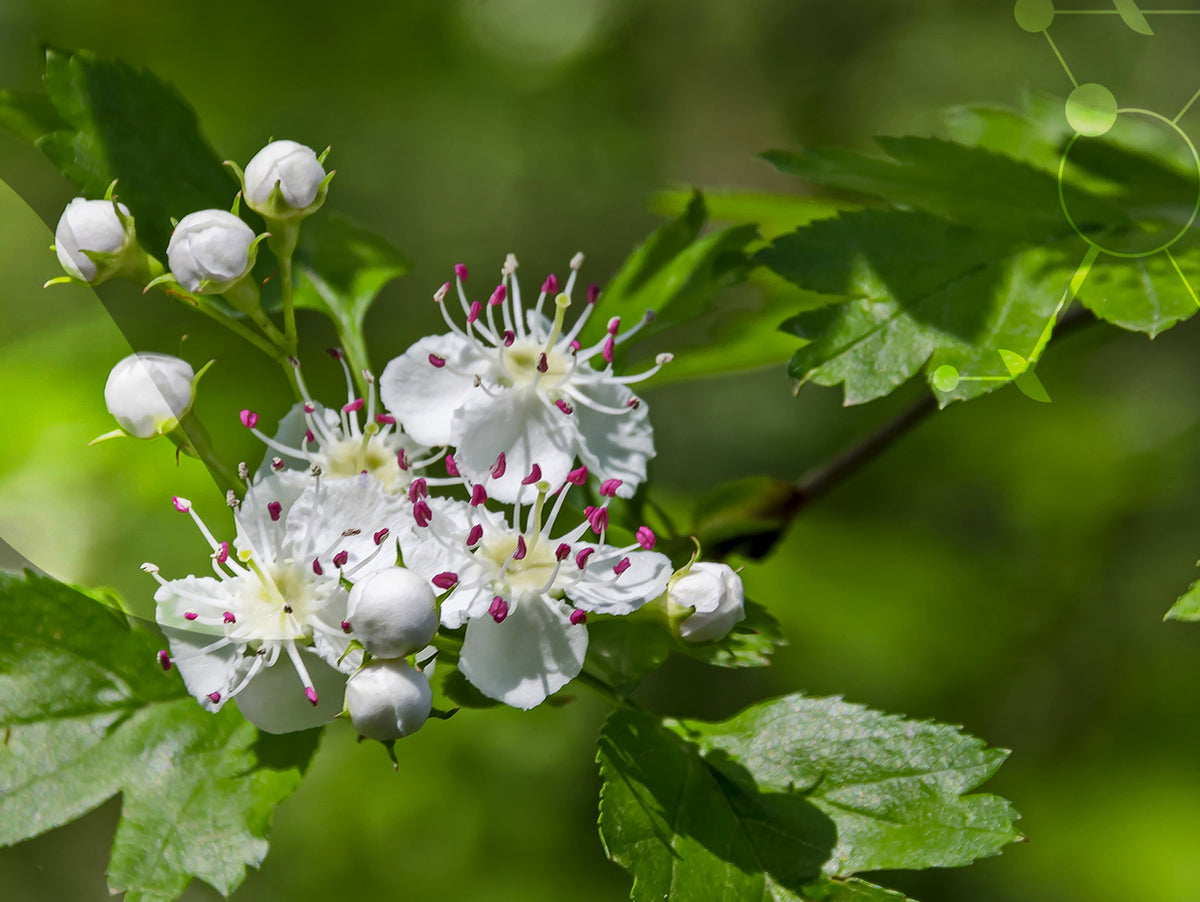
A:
(87, 713)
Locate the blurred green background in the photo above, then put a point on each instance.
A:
(1006, 567)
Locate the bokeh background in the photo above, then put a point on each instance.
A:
(1006, 567)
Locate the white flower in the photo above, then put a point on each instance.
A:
(91, 226)
(523, 387)
(293, 167)
(278, 596)
(393, 613)
(210, 250)
(149, 393)
(714, 592)
(340, 444)
(511, 587)
(388, 700)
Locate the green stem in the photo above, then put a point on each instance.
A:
(284, 235)
(228, 322)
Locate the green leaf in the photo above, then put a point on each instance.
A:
(977, 254)
(749, 644)
(853, 890)
(894, 788)
(774, 214)
(341, 267)
(1187, 607)
(28, 115)
(676, 272)
(928, 293)
(686, 831)
(124, 123)
(622, 650)
(87, 713)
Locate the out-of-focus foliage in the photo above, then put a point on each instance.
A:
(1005, 568)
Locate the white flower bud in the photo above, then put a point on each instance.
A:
(91, 225)
(393, 613)
(211, 246)
(293, 167)
(149, 393)
(715, 593)
(388, 700)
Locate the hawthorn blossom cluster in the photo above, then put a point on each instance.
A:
(458, 508)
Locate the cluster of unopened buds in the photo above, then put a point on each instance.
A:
(460, 510)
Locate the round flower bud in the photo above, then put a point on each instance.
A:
(388, 700)
(149, 393)
(212, 246)
(291, 166)
(393, 613)
(92, 225)
(714, 592)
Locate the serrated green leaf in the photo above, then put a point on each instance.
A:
(977, 253)
(87, 714)
(895, 788)
(676, 272)
(928, 293)
(774, 214)
(686, 832)
(126, 124)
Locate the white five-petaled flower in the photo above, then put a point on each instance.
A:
(519, 384)
(340, 444)
(524, 595)
(278, 598)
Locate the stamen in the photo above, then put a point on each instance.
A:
(275, 509)
(447, 580)
(564, 407)
(562, 552)
(311, 694)
(249, 418)
(550, 286)
(452, 466)
(354, 406)
(509, 338)
(478, 495)
(440, 294)
(243, 470)
(422, 513)
(381, 535)
(581, 558)
(385, 419)
(578, 617)
(277, 464)
(418, 489)
(646, 537)
(498, 609)
(593, 293)
(340, 559)
(190, 615)
(498, 295)
(499, 466)
(475, 534)
(621, 566)
(543, 365)
(164, 660)
(317, 568)
(535, 474)
(402, 460)
(473, 313)
(228, 617)
(181, 504)
(346, 627)
(214, 697)
(522, 550)
(460, 272)
(578, 477)
(608, 488)
(437, 361)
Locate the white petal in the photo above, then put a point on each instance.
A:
(424, 397)
(321, 518)
(614, 446)
(532, 654)
(274, 700)
(256, 529)
(602, 591)
(205, 672)
(522, 426)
